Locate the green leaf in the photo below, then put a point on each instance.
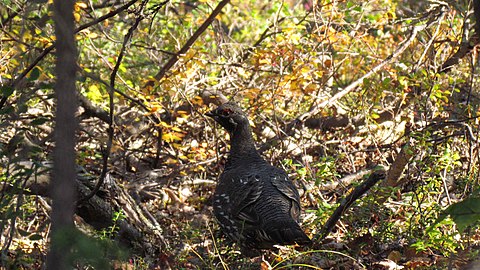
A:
(34, 74)
(35, 237)
(464, 213)
(6, 90)
(23, 232)
(39, 121)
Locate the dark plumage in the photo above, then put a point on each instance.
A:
(255, 203)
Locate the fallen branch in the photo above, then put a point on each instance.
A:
(345, 181)
(316, 109)
(99, 210)
(376, 176)
(467, 45)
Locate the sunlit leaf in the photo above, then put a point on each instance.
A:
(94, 93)
(465, 213)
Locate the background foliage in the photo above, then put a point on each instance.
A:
(332, 88)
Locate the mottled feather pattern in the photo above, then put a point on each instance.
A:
(255, 203)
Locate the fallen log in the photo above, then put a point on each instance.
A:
(31, 178)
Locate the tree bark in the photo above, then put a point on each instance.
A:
(64, 175)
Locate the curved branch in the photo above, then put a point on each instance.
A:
(316, 109)
(376, 176)
(161, 74)
(467, 45)
(111, 94)
(48, 49)
(416, 29)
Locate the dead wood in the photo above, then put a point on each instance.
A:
(376, 176)
(99, 210)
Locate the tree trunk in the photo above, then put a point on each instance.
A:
(64, 175)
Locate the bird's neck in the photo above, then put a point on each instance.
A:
(242, 145)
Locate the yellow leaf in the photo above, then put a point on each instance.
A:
(81, 5)
(264, 61)
(94, 93)
(197, 100)
(172, 136)
(305, 71)
(168, 137)
(201, 64)
(165, 124)
(310, 88)
(22, 47)
(176, 129)
(171, 161)
(92, 35)
(182, 113)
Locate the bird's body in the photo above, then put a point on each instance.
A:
(255, 203)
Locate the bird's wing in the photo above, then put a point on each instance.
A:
(248, 194)
(280, 180)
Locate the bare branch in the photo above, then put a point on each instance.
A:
(189, 43)
(111, 94)
(376, 176)
(466, 46)
(47, 50)
(316, 109)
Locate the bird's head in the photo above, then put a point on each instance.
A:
(229, 115)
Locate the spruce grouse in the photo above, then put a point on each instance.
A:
(255, 203)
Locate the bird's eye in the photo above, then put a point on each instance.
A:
(226, 112)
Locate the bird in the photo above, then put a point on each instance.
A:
(255, 203)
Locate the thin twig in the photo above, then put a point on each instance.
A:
(161, 74)
(111, 94)
(48, 49)
(316, 109)
(466, 45)
(106, 16)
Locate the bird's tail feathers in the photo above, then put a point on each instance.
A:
(288, 233)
